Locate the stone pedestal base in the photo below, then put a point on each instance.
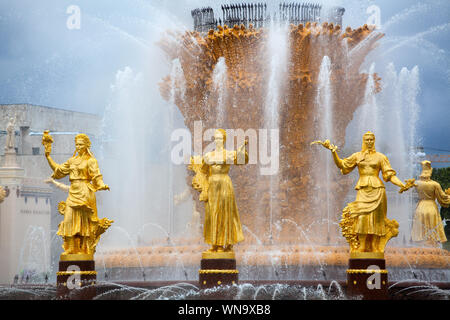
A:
(367, 278)
(76, 280)
(218, 269)
(10, 158)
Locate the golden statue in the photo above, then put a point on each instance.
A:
(2, 194)
(364, 222)
(427, 224)
(222, 227)
(81, 227)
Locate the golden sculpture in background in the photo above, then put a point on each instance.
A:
(63, 187)
(2, 194)
(81, 227)
(222, 227)
(364, 222)
(194, 226)
(427, 224)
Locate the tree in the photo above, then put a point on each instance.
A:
(442, 176)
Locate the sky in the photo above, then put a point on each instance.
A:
(43, 62)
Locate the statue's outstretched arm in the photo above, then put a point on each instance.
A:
(333, 149)
(97, 177)
(396, 181)
(178, 198)
(409, 183)
(241, 154)
(60, 185)
(337, 160)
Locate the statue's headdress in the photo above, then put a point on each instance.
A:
(427, 170)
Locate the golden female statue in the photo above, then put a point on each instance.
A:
(222, 228)
(81, 228)
(364, 222)
(427, 224)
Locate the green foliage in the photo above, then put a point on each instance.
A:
(442, 176)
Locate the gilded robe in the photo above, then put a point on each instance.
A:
(427, 223)
(80, 213)
(370, 206)
(222, 223)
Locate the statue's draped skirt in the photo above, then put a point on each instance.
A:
(370, 208)
(222, 223)
(427, 223)
(79, 214)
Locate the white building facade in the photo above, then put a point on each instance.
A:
(29, 246)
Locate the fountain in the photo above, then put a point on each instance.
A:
(292, 69)
(297, 71)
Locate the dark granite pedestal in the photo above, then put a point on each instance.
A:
(218, 268)
(76, 279)
(367, 277)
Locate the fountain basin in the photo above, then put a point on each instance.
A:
(268, 263)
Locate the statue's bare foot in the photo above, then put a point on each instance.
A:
(229, 248)
(220, 249)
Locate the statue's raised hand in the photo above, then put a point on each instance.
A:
(408, 185)
(47, 141)
(103, 187)
(327, 144)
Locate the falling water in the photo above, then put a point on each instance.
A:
(220, 86)
(400, 98)
(413, 88)
(369, 110)
(436, 29)
(278, 48)
(174, 76)
(142, 189)
(124, 151)
(324, 101)
(34, 257)
(392, 115)
(417, 9)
